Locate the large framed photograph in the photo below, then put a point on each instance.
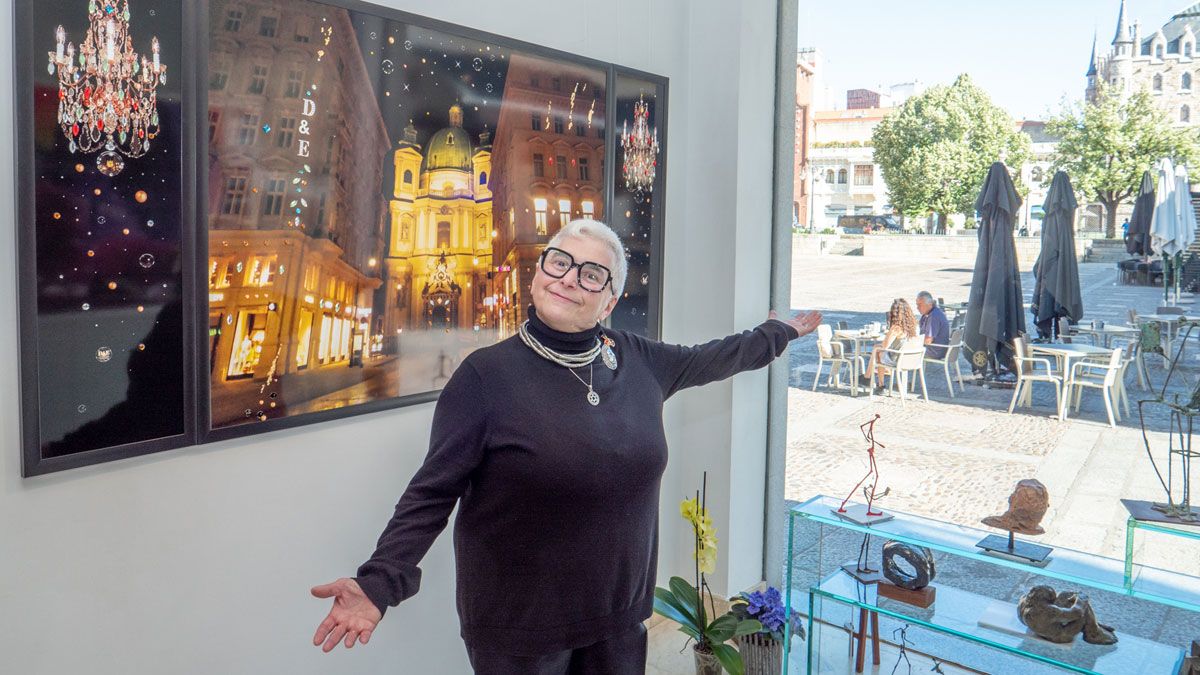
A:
(379, 188)
(104, 230)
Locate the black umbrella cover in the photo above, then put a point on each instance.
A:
(1137, 239)
(1056, 273)
(995, 312)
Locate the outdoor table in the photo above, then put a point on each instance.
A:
(858, 337)
(1170, 322)
(1065, 353)
(1108, 332)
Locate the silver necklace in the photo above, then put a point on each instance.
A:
(592, 396)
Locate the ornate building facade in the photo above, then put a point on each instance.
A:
(549, 154)
(295, 215)
(1163, 62)
(440, 241)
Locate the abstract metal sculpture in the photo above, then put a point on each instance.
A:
(856, 512)
(919, 558)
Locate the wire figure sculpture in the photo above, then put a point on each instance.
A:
(1178, 506)
(902, 640)
(869, 489)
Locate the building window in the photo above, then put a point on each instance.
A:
(258, 80)
(534, 82)
(247, 344)
(539, 215)
(286, 132)
(560, 170)
(539, 165)
(580, 130)
(556, 83)
(588, 208)
(273, 199)
(583, 168)
(303, 29)
(443, 235)
(247, 128)
(564, 213)
(483, 178)
(260, 271)
(233, 19)
(841, 176)
(1187, 81)
(267, 26)
(408, 177)
(233, 197)
(1185, 114)
(292, 88)
(535, 122)
(864, 174)
(1187, 49)
(214, 119)
(312, 274)
(306, 321)
(1158, 52)
(220, 74)
(558, 124)
(1158, 83)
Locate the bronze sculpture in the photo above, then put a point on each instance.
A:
(1059, 617)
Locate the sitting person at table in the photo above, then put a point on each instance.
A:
(934, 325)
(901, 324)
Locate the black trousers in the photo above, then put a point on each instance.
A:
(623, 654)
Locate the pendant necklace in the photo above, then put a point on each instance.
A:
(602, 348)
(592, 396)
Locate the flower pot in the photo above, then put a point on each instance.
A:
(761, 654)
(707, 662)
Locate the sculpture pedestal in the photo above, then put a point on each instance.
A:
(1019, 550)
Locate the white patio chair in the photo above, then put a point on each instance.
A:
(834, 353)
(949, 358)
(1133, 356)
(1032, 369)
(909, 358)
(1097, 375)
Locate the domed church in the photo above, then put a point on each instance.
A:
(440, 239)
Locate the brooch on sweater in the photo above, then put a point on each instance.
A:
(606, 352)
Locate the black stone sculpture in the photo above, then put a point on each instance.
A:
(919, 558)
(1059, 617)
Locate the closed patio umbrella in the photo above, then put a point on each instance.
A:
(994, 312)
(1137, 240)
(1056, 272)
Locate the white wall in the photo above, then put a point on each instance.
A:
(200, 560)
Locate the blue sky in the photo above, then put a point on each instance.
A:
(1028, 54)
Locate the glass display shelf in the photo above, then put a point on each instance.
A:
(1109, 574)
(991, 623)
(1131, 527)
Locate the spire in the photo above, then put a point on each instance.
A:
(1092, 61)
(1122, 36)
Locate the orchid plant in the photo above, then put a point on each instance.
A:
(683, 602)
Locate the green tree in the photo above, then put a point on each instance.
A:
(1107, 144)
(936, 149)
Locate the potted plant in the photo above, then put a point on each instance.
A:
(683, 602)
(762, 652)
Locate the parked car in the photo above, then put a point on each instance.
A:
(866, 224)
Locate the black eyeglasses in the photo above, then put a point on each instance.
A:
(557, 263)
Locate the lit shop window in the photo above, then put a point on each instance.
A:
(305, 337)
(261, 271)
(589, 210)
(539, 215)
(564, 212)
(247, 343)
(323, 342)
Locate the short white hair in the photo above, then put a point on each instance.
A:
(586, 227)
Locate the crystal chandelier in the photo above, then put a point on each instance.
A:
(641, 150)
(107, 98)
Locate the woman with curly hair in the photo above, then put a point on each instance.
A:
(901, 325)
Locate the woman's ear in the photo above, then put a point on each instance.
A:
(608, 308)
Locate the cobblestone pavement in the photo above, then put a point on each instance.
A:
(957, 459)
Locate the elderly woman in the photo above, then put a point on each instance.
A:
(901, 325)
(551, 442)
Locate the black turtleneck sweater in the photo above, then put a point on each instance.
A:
(556, 537)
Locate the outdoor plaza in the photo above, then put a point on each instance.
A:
(955, 459)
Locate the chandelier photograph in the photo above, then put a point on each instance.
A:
(107, 94)
(641, 150)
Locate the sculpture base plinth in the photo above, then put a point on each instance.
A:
(857, 513)
(862, 576)
(1016, 550)
(1154, 512)
(922, 597)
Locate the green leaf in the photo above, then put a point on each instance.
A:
(730, 659)
(747, 627)
(722, 628)
(666, 604)
(686, 594)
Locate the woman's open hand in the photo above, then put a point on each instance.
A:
(352, 618)
(804, 322)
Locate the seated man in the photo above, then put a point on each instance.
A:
(934, 325)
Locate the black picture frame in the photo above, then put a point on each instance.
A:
(193, 44)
